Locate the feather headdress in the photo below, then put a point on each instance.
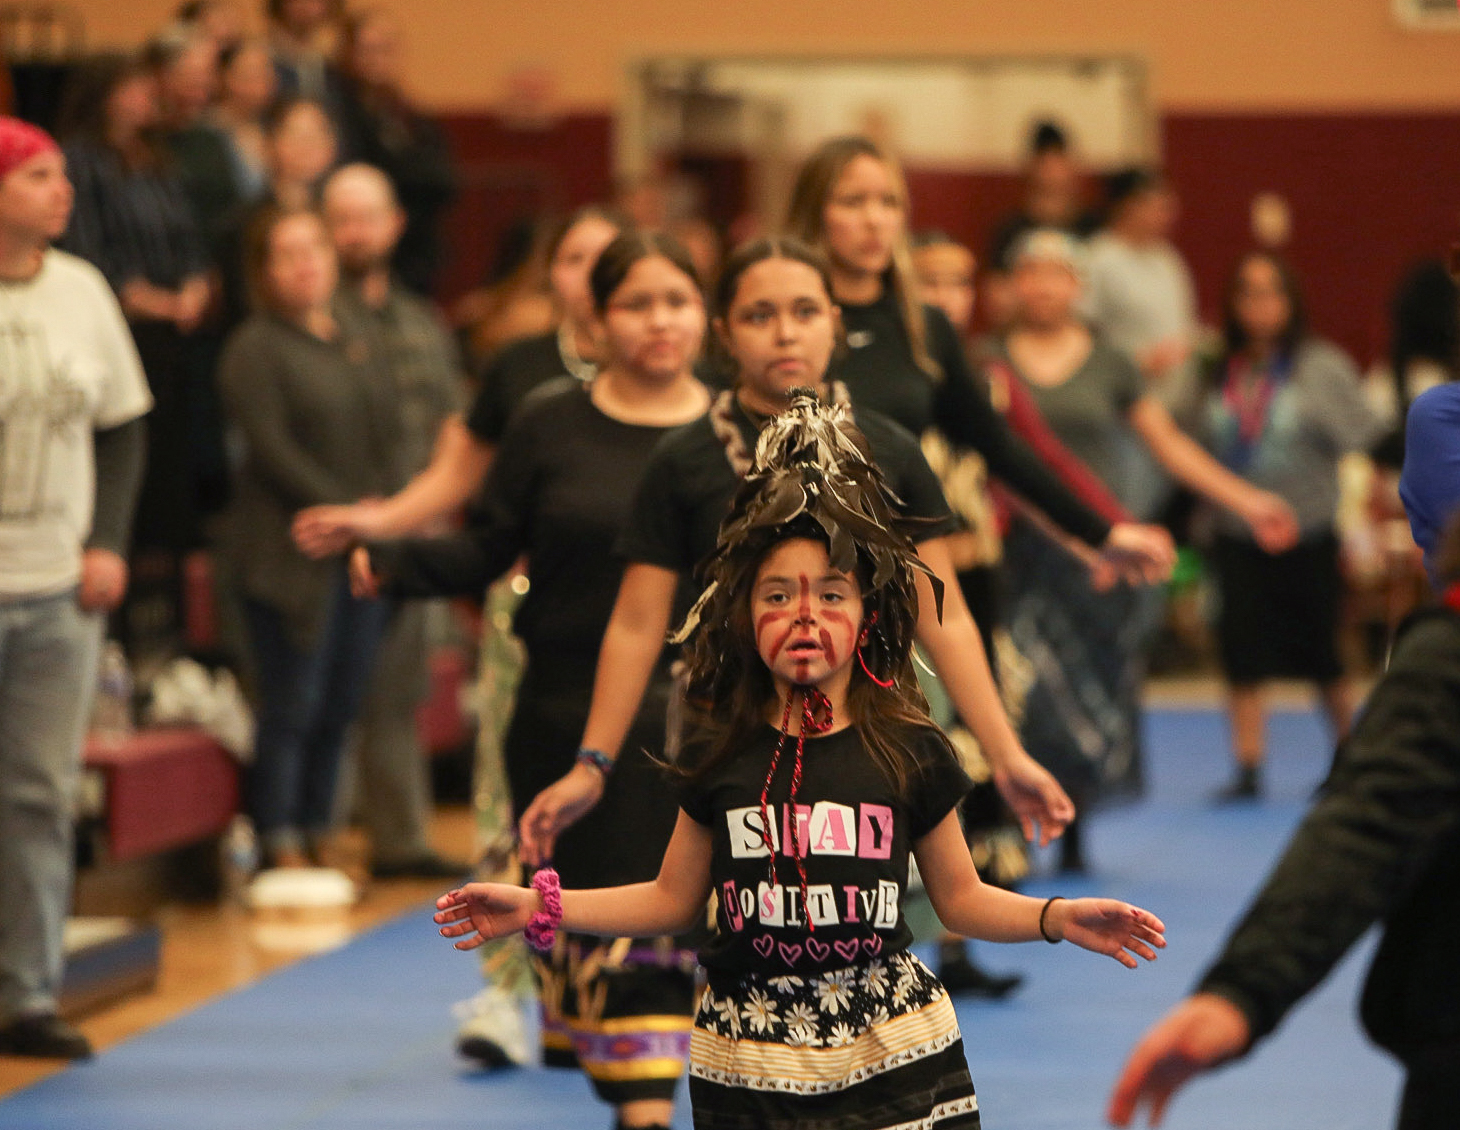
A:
(812, 469)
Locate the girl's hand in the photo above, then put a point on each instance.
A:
(1272, 521)
(478, 912)
(1107, 926)
(1138, 553)
(561, 804)
(364, 584)
(1035, 797)
(321, 531)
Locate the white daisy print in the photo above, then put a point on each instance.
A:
(875, 979)
(840, 1035)
(760, 1012)
(786, 984)
(802, 1035)
(834, 989)
(801, 1013)
(729, 1017)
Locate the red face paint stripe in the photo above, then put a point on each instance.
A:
(767, 622)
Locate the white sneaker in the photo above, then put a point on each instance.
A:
(492, 1030)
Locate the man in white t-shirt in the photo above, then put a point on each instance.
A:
(72, 398)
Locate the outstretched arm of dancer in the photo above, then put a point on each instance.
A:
(1271, 519)
(670, 904)
(1202, 1032)
(459, 464)
(956, 651)
(1389, 810)
(626, 658)
(967, 905)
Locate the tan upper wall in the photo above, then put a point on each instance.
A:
(1205, 55)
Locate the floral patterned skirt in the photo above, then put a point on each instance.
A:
(873, 1046)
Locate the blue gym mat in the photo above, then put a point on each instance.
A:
(361, 1038)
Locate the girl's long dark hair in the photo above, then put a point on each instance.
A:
(842, 503)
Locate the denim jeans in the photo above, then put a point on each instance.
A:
(49, 650)
(307, 701)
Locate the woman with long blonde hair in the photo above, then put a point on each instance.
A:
(903, 358)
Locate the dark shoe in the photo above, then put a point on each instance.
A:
(1245, 786)
(488, 1053)
(492, 1032)
(43, 1036)
(427, 866)
(962, 977)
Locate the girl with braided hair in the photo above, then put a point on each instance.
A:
(812, 772)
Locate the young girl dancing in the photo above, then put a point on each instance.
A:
(813, 772)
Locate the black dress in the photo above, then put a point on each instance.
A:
(560, 492)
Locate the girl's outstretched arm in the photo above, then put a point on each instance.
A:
(967, 905)
(670, 904)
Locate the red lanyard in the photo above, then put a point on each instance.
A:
(1248, 400)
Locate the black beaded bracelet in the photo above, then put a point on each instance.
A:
(598, 759)
(1043, 933)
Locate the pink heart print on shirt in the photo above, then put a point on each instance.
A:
(872, 945)
(847, 949)
(763, 945)
(817, 950)
(790, 954)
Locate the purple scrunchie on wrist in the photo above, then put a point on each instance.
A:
(542, 927)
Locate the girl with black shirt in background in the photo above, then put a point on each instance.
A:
(560, 494)
(904, 357)
(491, 1030)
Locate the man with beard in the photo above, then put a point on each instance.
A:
(393, 786)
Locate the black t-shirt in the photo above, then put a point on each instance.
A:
(508, 377)
(559, 491)
(878, 369)
(855, 831)
(688, 485)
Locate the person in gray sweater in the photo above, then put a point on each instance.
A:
(1282, 408)
(316, 409)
